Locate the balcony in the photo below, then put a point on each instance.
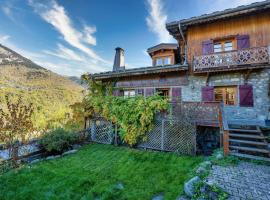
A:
(232, 60)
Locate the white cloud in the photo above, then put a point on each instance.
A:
(56, 15)
(156, 20)
(4, 38)
(65, 53)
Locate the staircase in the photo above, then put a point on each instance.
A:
(248, 142)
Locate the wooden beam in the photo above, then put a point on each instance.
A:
(226, 142)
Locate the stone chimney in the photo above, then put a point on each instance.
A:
(119, 59)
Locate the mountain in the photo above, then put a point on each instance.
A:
(51, 94)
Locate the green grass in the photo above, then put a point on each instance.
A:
(95, 171)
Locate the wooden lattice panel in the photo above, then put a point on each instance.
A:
(257, 55)
(101, 131)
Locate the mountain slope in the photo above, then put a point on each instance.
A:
(51, 93)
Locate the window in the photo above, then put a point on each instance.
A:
(167, 61)
(227, 95)
(163, 61)
(159, 61)
(228, 46)
(129, 93)
(164, 92)
(220, 46)
(217, 47)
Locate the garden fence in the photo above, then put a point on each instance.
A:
(173, 131)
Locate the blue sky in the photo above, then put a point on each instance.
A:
(72, 37)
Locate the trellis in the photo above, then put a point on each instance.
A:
(174, 131)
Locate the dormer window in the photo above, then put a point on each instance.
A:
(159, 62)
(167, 61)
(163, 61)
(164, 54)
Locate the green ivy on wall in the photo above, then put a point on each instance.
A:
(133, 115)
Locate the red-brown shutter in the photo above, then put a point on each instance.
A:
(246, 95)
(117, 93)
(207, 47)
(207, 93)
(176, 94)
(149, 91)
(243, 42)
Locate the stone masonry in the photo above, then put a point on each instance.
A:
(246, 181)
(260, 81)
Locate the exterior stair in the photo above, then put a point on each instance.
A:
(248, 142)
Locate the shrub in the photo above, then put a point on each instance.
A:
(59, 140)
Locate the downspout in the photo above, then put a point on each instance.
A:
(185, 42)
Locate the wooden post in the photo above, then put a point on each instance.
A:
(162, 135)
(226, 142)
(115, 135)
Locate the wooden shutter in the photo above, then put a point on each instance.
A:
(140, 92)
(246, 95)
(207, 47)
(149, 91)
(176, 94)
(117, 93)
(207, 93)
(243, 42)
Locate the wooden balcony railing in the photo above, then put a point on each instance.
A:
(231, 60)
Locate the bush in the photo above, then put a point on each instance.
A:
(59, 140)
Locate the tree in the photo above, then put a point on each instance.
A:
(15, 124)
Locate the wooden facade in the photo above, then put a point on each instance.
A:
(255, 25)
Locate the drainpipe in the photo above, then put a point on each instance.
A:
(269, 53)
(185, 42)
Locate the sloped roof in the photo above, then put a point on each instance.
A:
(162, 46)
(139, 71)
(228, 13)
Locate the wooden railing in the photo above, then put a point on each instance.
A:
(231, 59)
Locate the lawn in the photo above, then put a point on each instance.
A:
(101, 172)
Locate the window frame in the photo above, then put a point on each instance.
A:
(163, 59)
(225, 93)
(129, 93)
(223, 45)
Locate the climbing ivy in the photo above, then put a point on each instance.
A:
(133, 115)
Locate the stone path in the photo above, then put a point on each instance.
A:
(244, 181)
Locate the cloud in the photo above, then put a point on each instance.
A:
(4, 38)
(7, 10)
(56, 15)
(65, 53)
(157, 19)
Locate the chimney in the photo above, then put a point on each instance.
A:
(119, 59)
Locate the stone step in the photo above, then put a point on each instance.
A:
(250, 156)
(245, 131)
(251, 149)
(246, 136)
(249, 142)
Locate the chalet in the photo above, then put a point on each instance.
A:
(219, 57)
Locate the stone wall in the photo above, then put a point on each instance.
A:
(260, 81)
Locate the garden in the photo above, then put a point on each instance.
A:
(101, 172)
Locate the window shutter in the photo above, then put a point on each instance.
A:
(117, 93)
(246, 95)
(149, 91)
(140, 92)
(207, 93)
(176, 94)
(243, 42)
(207, 47)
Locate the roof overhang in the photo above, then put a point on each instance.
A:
(162, 46)
(173, 27)
(139, 72)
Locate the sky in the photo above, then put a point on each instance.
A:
(73, 37)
